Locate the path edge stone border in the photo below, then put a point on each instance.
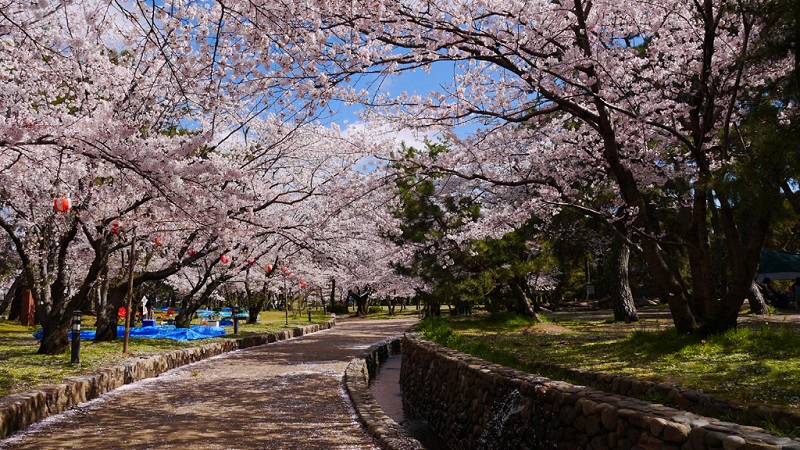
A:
(389, 434)
(21, 410)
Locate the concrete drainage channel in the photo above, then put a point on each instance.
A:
(389, 434)
(19, 411)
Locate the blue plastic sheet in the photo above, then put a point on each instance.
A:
(223, 313)
(196, 332)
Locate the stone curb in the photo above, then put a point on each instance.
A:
(389, 434)
(567, 414)
(19, 411)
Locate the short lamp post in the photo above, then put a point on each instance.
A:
(235, 313)
(75, 355)
(309, 312)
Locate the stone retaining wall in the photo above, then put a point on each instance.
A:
(18, 411)
(680, 397)
(389, 434)
(476, 404)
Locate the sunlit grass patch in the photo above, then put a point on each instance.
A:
(747, 365)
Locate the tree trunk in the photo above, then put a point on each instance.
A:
(59, 305)
(332, 299)
(107, 321)
(433, 308)
(15, 301)
(184, 318)
(523, 305)
(255, 307)
(14, 292)
(55, 327)
(55, 340)
(361, 302)
(101, 301)
(757, 303)
(191, 302)
(621, 297)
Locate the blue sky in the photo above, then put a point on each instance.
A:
(416, 82)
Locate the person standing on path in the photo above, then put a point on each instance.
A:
(286, 395)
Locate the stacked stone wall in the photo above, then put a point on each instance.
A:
(18, 411)
(786, 421)
(472, 404)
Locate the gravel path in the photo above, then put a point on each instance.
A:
(287, 395)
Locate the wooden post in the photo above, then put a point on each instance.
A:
(27, 315)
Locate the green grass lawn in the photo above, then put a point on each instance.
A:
(754, 364)
(22, 369)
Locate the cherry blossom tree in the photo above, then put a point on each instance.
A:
(640, 98)
(89, 115)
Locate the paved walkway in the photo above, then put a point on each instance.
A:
(287, 395)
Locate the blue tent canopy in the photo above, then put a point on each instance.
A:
(778, 265)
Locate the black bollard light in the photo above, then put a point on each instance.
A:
(75, 355)
(309, 312)
(235, 312)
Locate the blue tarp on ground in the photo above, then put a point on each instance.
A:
(158, 332)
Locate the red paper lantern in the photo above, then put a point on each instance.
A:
(303, 284)
(158, 241)
(115, 226)
(122, 312)
(62, 204)
(191, 251)
(269, 267)
(251, 261)
(225, 259)
(284, 270)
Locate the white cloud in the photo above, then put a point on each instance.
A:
(411, 138)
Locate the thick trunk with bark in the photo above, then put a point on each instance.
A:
(14, 292)
(255, 308)
(14, 299)
(433, 308)
(671, 288)
(184, 318)
(361, 300)
(107, 321)
(621, 297)
(191, 302)
(522, 304)
(756, 299)
(55, 340)
(56, 316)
(361, 304)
